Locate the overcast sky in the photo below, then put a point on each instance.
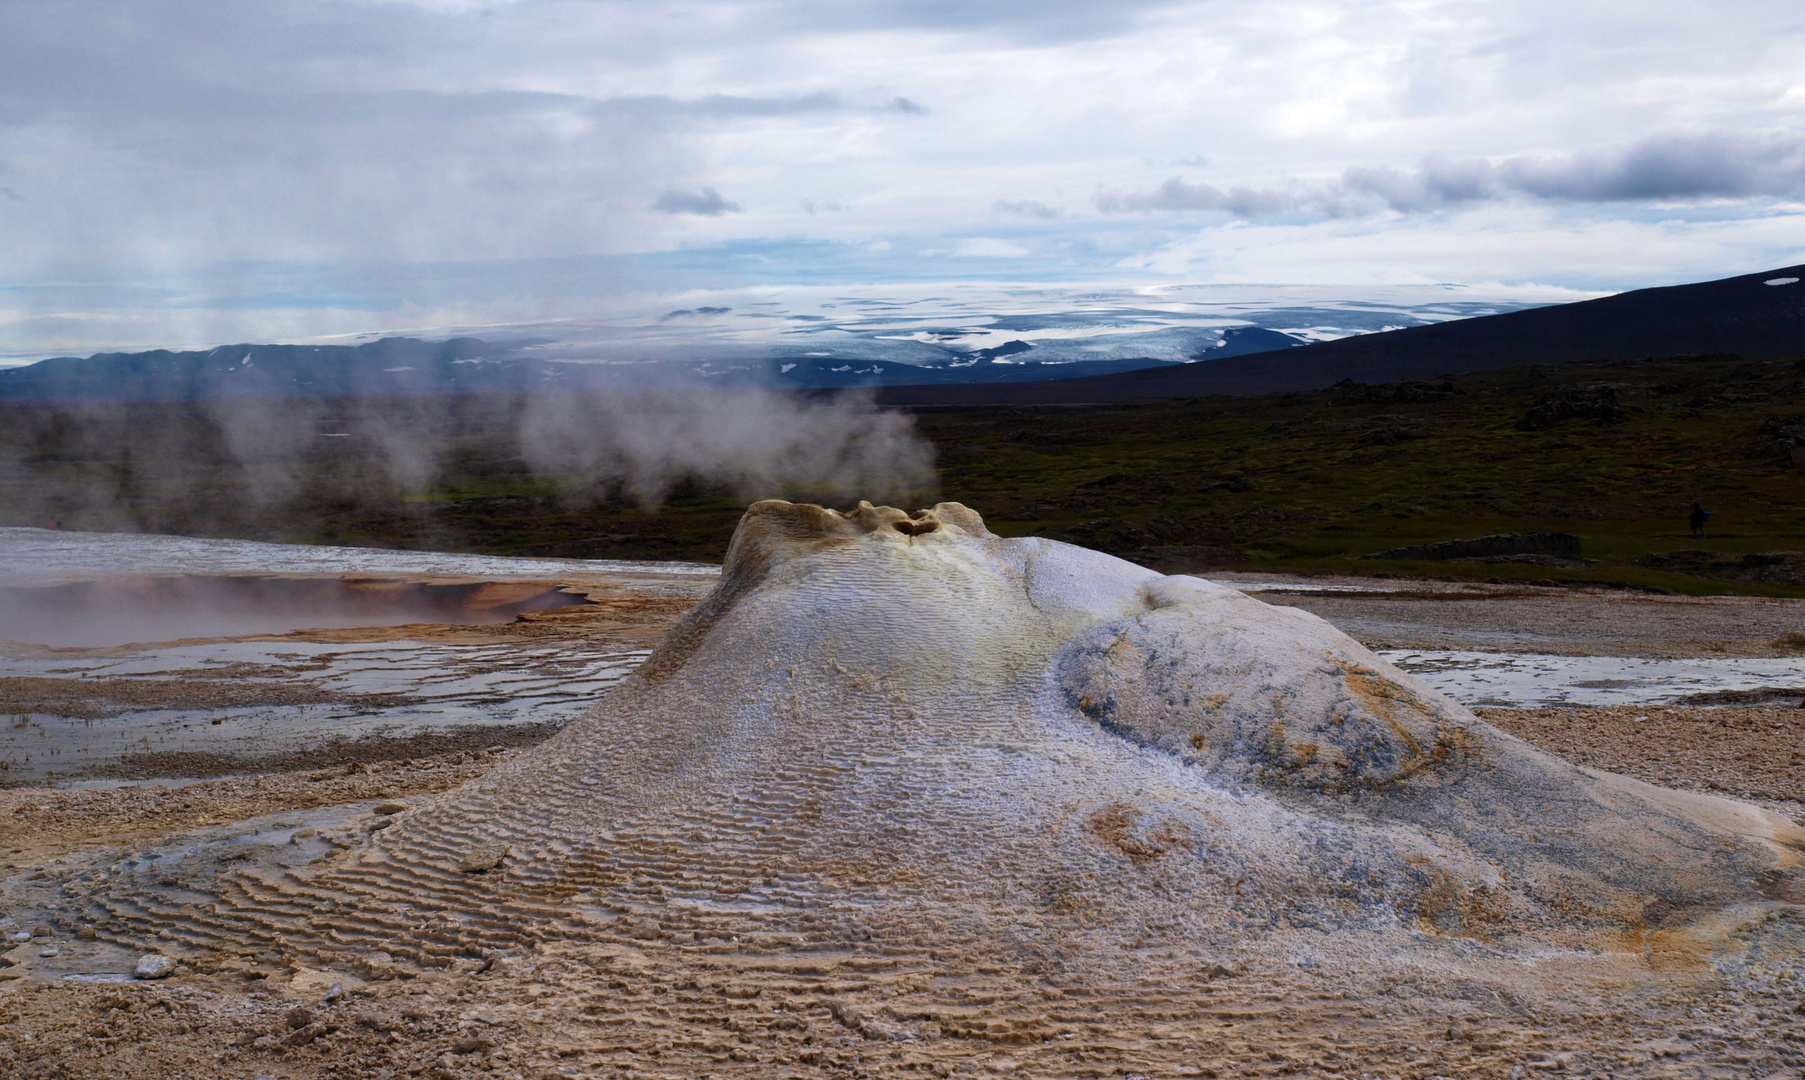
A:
(191, 172)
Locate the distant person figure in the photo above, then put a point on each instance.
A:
(1697, 520)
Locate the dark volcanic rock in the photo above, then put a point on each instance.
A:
(1782, 438)
(1597, 403)
(1756, 567)
(1559, 545)
(1386, 436)
(1349, 392)
(1694, 562)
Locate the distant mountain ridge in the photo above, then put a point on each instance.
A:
(391, 366)
(408, 367)
(1744, 315)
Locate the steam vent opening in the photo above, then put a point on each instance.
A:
(167, 607)
(916, 528)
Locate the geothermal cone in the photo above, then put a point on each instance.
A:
(897, 734)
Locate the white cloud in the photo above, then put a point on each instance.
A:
(1667, 168)
(273, 168)
(704, 203)
(985, 247)
(1664, 168)
(1026, 208)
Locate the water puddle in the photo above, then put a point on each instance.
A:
(386, 689)
(136, 647)
(1532, 680)
(46, 555)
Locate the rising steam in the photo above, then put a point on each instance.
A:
(757, 443)
(206, 465)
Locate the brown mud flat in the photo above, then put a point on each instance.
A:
(572, 1011)
(623, 623)
(299, 697)
(219, 688)
(388, 610)
(39, 824)
(1751, 753)
(331, 754)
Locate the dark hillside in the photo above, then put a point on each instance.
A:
(1311, 481)
(1739, 315)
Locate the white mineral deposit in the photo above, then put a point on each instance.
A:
(901, 794)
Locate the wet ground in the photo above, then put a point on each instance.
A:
(264, 663)
(46, 556)
(224, 699)
(1517, 646)
(1540, 681)
(308, 685)
(1513, 619)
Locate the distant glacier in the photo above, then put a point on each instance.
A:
(799, 338)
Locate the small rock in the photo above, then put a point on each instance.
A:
(484, 857)
(388, 808)
(333, 993)
(299, 1017)
(470, 1044)
(644, 929)
(303, 1035)
(20, 936)
(379, 824)
(49, 950)
(153, 966)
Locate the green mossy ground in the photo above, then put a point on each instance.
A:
(1298, 482)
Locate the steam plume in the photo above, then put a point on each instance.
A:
(213, 465)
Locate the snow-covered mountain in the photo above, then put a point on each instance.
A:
(799, 339)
